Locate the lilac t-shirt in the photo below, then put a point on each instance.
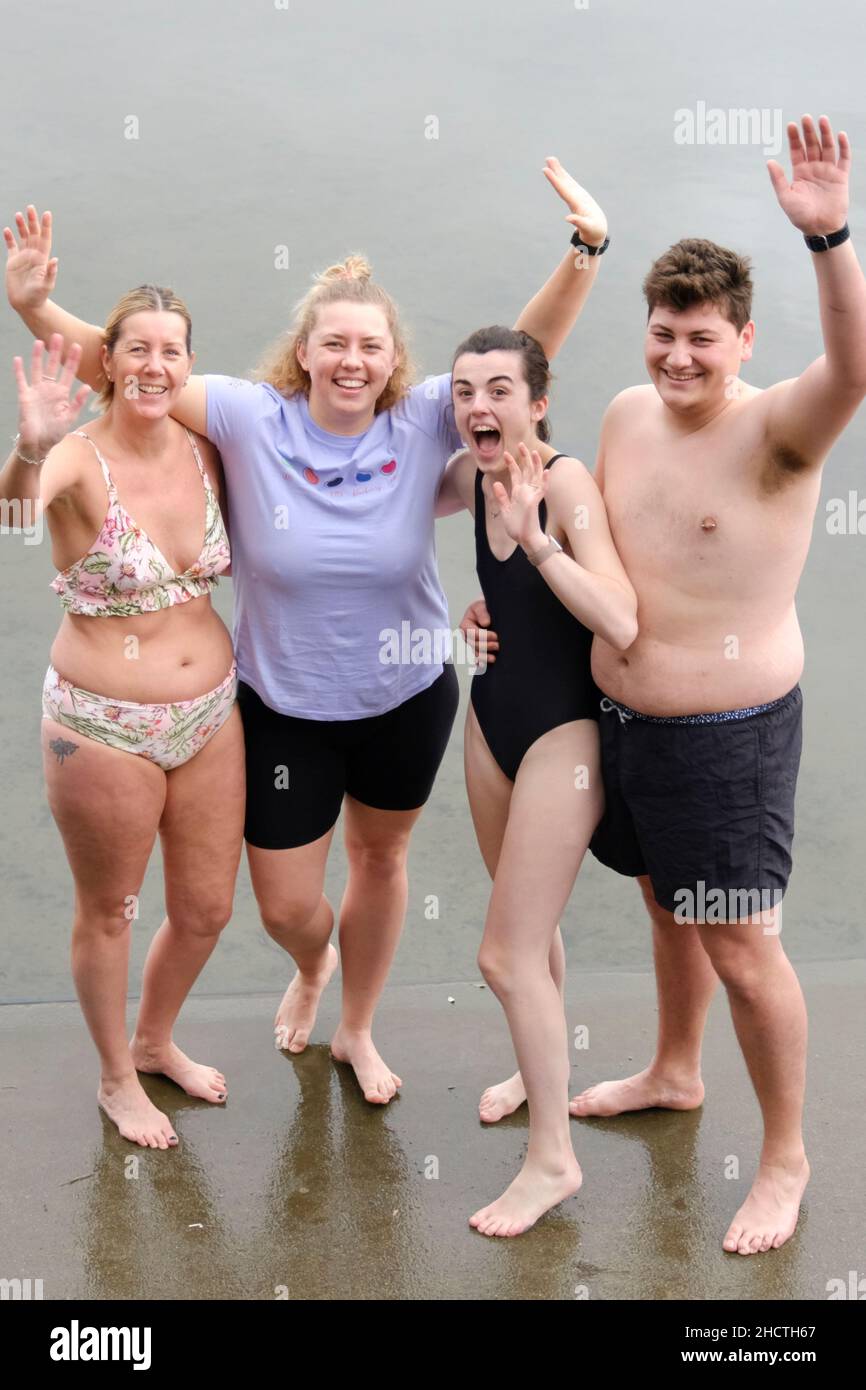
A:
(333, 546)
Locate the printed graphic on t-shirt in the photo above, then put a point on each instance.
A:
(351, 480)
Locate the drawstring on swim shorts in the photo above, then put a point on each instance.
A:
(607, 705)
(718, 717)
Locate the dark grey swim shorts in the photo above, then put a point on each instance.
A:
(703, 804)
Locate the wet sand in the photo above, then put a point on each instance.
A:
(299, 1183)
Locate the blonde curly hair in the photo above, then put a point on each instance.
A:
(350, 280)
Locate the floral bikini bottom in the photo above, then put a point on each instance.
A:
(168, 734)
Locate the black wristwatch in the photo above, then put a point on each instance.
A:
(590, 250)
(826, 243)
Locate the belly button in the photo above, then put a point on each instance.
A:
(709, 523)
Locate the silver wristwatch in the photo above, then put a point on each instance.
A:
(539, 556)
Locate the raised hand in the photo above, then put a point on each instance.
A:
(45, 410)
(585, 215)
(528, 486)
(31, 270)
(816, 199)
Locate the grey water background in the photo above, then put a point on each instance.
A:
(305, 126)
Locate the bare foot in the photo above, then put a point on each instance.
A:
(193, 1077)
(768, 1217)
(645, 1091)
(375, 1077)
(296, 1015)
(137, 1118)
(503, 1099)
(534, 1191)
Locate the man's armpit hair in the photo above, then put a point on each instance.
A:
(784, 463)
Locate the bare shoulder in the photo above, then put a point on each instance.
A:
(570, 486)
(566, 474)
(71, 478)
(72, 446)
(629, 404)
(68, 468)
(779, 460)
(765, 401)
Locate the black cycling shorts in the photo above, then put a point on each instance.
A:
(705, 809)
(298, 770)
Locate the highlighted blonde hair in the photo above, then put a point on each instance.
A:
(348, 282)
(156, 298)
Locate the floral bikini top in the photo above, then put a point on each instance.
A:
(123, 572)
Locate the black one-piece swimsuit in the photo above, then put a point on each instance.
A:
(541, 677)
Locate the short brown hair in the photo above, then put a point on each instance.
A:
(148, 297)
(696, 271)
(350, 280)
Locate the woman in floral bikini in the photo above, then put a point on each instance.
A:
(140, 731)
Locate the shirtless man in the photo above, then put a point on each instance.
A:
(711, 487)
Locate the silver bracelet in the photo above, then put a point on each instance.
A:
(23, 457)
